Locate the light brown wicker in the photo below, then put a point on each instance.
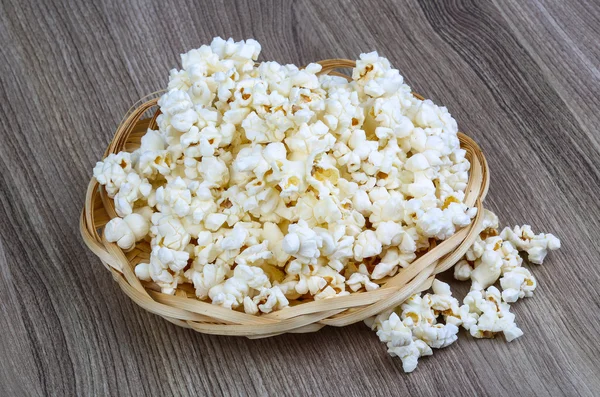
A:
(185, 310)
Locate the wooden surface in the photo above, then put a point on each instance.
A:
(521, 77)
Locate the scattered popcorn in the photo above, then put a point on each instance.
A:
(410, 354)
(488, 267)
(536, 245)
(416, 330)
(492, 313)
(437, 336)
(393, 332)
(463, 270)
(485, 311)
(517, 283)
(265, 183)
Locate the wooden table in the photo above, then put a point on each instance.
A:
(521, 77)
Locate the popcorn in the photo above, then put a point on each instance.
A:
(307, 284)
(390, 233)
(484, 313)
(340, 251)
(271, 298)
(442, 302)
(142, 271)
(206, 277)
(442, 223)
(327, 292)
(169, 232)
(234, 290)
(437, 336)
(249, 306)
(145, 212)
(463, 270)
(230, 293)
(393, 332)
(517, 283)
(113, 171)
(302, 242)
(487, 268)
(417, 162)
(387, 209)
(265, 183)
(132, 189)
(164, 268)
(152, 163)
(399, 339)
(236, 239)
(254, 276)
(490, 220)
(410, 354)
(326, 211)
(214, 221)
(510, 257)
(390, 262)
(415, 331)
(254, 254)
(494, 257)
(422, 186)
(536, 245)
(416, 310)
(174, 198)
(126, 231)
(366, 245)
(214, 172)
(152, 141)
(492, 313)
(358, 281)
(174, 260)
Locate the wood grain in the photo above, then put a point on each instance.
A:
(521, 77)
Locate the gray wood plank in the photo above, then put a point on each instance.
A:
(520, 77)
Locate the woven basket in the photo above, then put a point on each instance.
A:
(185, 310)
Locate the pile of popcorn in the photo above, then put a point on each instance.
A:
(433, 320)
(266, 183)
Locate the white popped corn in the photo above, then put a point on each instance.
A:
(536, 245)
(485, 311)
(358, 280)
(270, 299)
(132, 189)
(127, 231)
(463, 270)
(112, 171)
(517, 283)
(492, 313)
(265, 183)
(412, 330)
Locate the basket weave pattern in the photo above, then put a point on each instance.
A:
(185, 310)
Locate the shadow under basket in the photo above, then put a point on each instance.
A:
(185, 310)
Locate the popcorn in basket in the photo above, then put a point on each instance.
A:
(264, 198)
